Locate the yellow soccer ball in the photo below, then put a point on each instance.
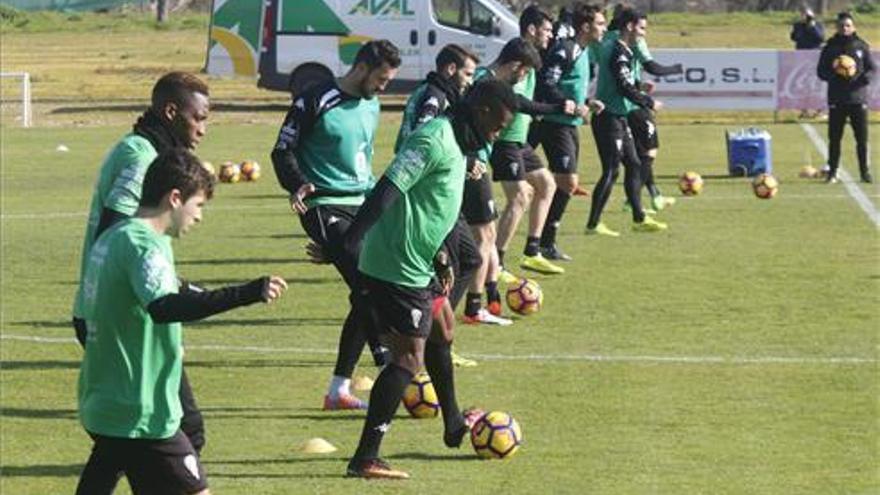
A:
(496, 435)
(250, 170)
(690, 183)
(229, 172)
(765, 186)
(809, 172)
(525, 297)
(844, 66)
(420, 398)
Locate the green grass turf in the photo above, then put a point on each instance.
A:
(735, 277)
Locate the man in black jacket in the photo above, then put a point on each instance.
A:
(808, 33)
(847, 92)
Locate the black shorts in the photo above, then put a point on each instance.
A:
(561, 145)
(512, 161)
(644, 129)
(478, 205)
(397, 308)
(326, 225)
(170, 465)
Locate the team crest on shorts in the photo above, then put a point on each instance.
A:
(416, 315)
(192, 465)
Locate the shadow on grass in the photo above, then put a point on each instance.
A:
(269, 462)
(267, 322)
(316, 416)
(44, 324)
(704, 176)
(212, 283)
(17, 412)
(39, 365)
(279, 363)
(44, 470)
(421, 456)
(270, 236)
(244, 261)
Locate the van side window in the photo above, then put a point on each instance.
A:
(469, 15)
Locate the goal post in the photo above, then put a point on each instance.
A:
(26, 112)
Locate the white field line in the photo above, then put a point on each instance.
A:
(860, 197)
(548, 358)
(55, 215)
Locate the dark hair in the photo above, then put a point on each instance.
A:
(614, 25)
(374, 53)
(533, 15)
(455, 54)
(308, 74)
(584, 13)
(520, 50)
(842, 16)
(178, 169)
(178, 88)
(493, 94)
(629, 15)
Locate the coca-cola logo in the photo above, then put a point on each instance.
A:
(801, 81)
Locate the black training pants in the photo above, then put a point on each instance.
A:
(858, 120)
(615, 144)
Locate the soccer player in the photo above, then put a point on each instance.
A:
(516, 165)
(440, 92)
(641, 120)
(133, 304)
(323, 159)
(516, 61)
(617, 90)
(565, 75)
(411, 210)
(847, 96)
(177, 117)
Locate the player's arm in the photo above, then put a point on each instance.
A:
(525, 105)
(864, 76)
(381, 198)
(193, 303)
(824, 69)
(555, 63)
(427, 109)
(299, 122)
(655, 69)
(108, 218)
(620, 70)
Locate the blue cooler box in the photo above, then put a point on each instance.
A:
(749, 152)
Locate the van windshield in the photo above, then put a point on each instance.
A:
(469, 15)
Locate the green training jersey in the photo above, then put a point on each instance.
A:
(118, 188)
(429, 172)
(518, 129)
(573, 82)
(606, 87)
(641, 54)
(337, 153)
(129, 378)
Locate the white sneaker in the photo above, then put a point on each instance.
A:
(485, 317)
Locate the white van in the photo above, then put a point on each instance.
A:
(267, 39)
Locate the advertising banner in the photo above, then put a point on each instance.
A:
(799, 88)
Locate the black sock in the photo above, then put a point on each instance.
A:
(492, 294)
(384, 400)
(648, 175)
(532, 245)
(351, 343)
(554, 217)
(472, 303)
(438, 363)
(501, 257)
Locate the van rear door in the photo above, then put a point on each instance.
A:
(482, 26)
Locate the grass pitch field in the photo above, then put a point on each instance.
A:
(736, 353)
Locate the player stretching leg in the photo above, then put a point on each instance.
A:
(323, 159)
(410, 212)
